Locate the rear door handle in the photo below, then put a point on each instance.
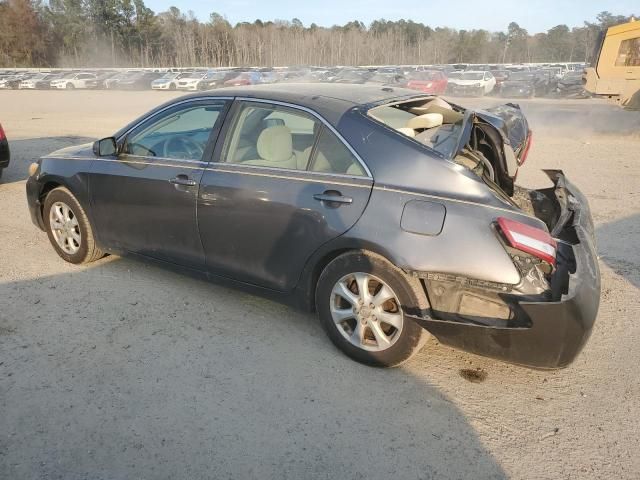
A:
(332, 197)
(183, 180)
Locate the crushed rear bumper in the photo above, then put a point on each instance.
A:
(557, 329)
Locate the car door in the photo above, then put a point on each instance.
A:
(144, 200)
(282, 184)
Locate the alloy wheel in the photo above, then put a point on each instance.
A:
(366, 311)
(65, 228)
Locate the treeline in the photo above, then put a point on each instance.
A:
(69, 33)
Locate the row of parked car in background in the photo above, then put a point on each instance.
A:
(524, 80)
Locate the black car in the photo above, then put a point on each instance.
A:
(216, 79)
(139, 81)
(45, 83)
(391, 213)
(572, 85)
(387, 78)
(101, 78)
(527, 84)
(5, 154)
(353, 76)
(14, 82)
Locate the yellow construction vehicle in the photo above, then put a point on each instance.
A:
(616, 70)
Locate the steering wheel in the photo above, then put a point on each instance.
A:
(182, 147)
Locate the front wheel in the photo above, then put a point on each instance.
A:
(70, 86)
(68, 228)
(362, 301)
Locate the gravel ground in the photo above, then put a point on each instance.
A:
(122, 370)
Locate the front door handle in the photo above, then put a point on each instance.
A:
(332, 196)
(183, 180)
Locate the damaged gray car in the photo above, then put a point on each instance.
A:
(392, 214)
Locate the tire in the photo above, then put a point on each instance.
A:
(87, 250)
(70, 86)
(403, 342)
(172, 86)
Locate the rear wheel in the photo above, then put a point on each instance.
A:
(68, 228)
(362, 301)
(172, 86)
(70, 86)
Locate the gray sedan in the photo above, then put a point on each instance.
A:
(393, 214)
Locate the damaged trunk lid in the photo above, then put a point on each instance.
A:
(495, 143)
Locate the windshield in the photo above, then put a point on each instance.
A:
(472, 76)
(424, 75)
(351, 75)
(520, 76)
(384, 77)
(215, 75)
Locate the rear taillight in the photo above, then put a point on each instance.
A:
(2, 135)
(527, 147)
(529, 239)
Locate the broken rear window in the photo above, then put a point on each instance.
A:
(430, 121)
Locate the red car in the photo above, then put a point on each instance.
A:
(245, 78)
(431, 81)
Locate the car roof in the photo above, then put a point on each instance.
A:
(328, 99)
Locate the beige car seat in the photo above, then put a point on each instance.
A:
(427, 120)
(437, 105)
(409, 132)
(275, 148)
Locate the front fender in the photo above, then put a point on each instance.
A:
(73, 174)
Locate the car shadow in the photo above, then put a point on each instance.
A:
(618, 247)
(124, 369)
(26, 151)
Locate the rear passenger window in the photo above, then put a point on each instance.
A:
(271, 136)
(332, 156)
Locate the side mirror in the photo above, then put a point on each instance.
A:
(106, 147)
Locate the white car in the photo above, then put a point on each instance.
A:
(74, 80)
(169, 81)
(475, 83)
(191, 81)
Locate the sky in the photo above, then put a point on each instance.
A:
(493, 15)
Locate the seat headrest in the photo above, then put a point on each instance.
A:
(273, 122)
(409, 132)
(428, 120)
(275, 144)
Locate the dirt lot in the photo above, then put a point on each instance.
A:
(122, 370)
